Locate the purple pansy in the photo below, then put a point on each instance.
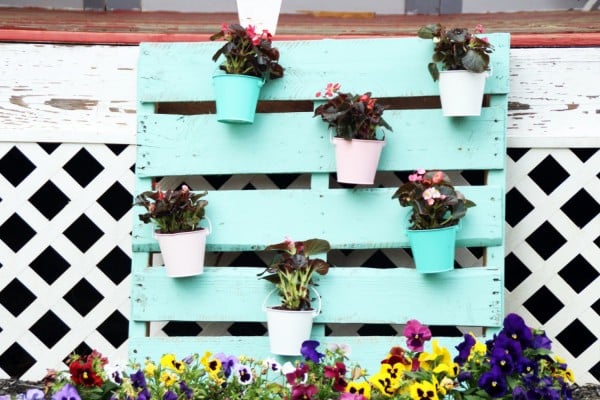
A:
(416, 335)
(67, 392)
(515, 328)
(464, 349)
(187, 391)
(228, 363)
(244, 374)
(138, 380)
(32, 394)
(493, 383)
(541, 341)
(508, 345)
(309, 351)
(503, 360)
(170, 395)
(144, 394)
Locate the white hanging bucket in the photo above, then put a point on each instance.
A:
(461, 92)
(288, 329)
(183, 252)
(262, 14)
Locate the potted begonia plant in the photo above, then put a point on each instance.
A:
(464, 59)
(436, 209)
(292, 270)
(249, 61)
(357, 125)
(176, 215)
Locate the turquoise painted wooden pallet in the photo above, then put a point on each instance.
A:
(290, 140)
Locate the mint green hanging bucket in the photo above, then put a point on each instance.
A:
(433, 249)
(236, 97)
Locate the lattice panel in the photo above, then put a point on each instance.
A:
(65, 222)
(65, 244)
(553, 249)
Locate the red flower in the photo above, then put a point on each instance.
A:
(84, 374)
(337, 373)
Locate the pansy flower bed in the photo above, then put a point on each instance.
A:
(516, 363)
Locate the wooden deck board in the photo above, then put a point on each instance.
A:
(547, 28)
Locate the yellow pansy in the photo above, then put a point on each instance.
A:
(149, 368)
(423, 391)
(212, 365)
(170, 362)
(168, 378)
(363, 388)
(385, 383)
(440, 356)
(478, 349)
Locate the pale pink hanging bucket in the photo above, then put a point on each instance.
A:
(356, 160)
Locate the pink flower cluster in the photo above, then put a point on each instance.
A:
(250, 32)
(330, 90)
(432, 193)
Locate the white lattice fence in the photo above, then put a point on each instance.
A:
(65, 242)
(65, 215)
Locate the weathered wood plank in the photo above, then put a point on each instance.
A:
(267, 145)
(554, 98)
(349, 219)
(81, 94)
(382, 300)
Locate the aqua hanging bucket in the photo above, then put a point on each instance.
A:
(236, 97)
(433, 249)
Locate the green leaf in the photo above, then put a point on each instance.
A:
(428, 31)
(433, 70)
(475, 61)
(316, 246)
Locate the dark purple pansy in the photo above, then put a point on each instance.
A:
(527, 367)
(138, 380)
(508, 345)
(144, 395)
(502, 359)
(464, 376)
(169, 395)
(515, 328)
(187, 391)
(541, 341)
(519, 393)
(493, 383)
(309, 351)
(464, 349)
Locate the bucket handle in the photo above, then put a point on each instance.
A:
(315, 312)
(209, 228)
